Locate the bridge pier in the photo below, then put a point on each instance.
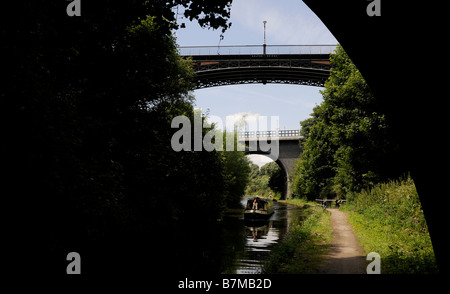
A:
(289, 153)
(288, 166)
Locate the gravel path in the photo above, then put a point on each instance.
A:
(346, 256)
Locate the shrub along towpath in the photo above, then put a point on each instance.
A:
(387, 219)
(345, 255)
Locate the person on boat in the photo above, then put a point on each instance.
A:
(255, 204)
(254, 235)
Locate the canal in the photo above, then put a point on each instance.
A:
(245, 245)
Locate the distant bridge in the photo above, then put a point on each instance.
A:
(289, 150)
(252, 64)
(280, 134)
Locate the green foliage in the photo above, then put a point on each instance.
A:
(277, 181)
(388, 219)
(236, 174)
(347, 143)
(315, 169)
(254, 170)
(213, 14)
(91, 100)
(305, 130)
(262, 181)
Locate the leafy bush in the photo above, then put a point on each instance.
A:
(389, 220)
(267, 179)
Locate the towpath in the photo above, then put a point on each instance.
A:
(345, 256)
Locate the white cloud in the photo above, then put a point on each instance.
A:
(245, 121)
(242, 119)
(260, 160)
(244, 116)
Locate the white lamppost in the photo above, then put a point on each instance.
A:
(264, 46)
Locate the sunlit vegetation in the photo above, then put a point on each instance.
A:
(388, 219)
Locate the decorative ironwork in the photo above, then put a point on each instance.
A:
(208, 84)
(312, 67)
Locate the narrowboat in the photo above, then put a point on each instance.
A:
(258, 208)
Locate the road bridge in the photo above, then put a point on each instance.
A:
(288, 150)
(251, 64)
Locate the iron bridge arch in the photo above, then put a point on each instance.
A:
(258, 64)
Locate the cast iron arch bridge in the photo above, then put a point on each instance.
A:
(260, 64)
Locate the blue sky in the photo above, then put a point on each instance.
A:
(289, 22)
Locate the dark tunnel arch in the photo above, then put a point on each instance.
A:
(375, 44)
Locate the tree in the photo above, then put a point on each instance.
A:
(315, 169)
(305, 129)
(236, 173)
(268, 178)
(277, 180)
(347, 143)
(254, 170)
(88, 101)
(367, 150)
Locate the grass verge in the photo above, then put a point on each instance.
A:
(305, 245)
(389, 220)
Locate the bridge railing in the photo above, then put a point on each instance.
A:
(256, 50)
(268, 134)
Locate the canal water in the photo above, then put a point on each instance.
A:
(245, 245)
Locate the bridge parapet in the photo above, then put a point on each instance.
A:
(256, 50)
(280, 134)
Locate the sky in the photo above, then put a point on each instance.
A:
(289, 22)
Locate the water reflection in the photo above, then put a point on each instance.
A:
(260, 237)
(248, 243)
